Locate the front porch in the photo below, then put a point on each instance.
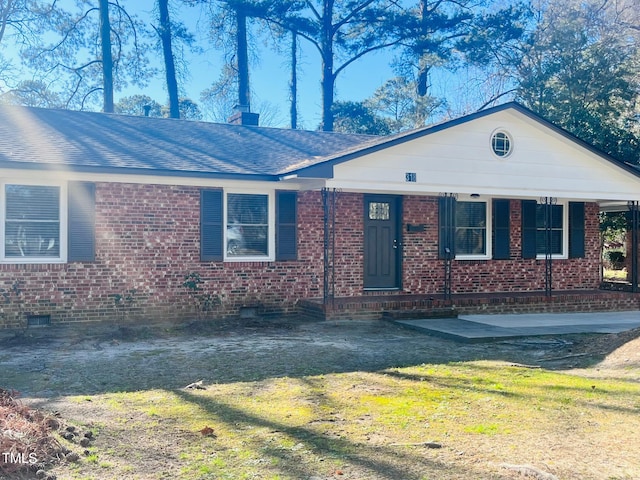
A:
(376, 306)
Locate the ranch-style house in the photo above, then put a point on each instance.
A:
(107, 216)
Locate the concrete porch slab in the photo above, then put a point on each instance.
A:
(489, 327)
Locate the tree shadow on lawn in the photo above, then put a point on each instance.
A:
(591, 395)
(379, 461)
(170, 362)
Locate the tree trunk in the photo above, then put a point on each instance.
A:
(169, 63)
(294, 80)
(328, 78)
(422, 81)
(328, 81)
(107, 57)
(244, 94)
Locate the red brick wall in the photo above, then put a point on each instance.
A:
(424, 273)
(349, 244)
(147, 239)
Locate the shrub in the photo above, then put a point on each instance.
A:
(615, 258)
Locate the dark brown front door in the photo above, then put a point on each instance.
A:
(382, 250)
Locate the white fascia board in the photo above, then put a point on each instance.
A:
(60, 175)
(435, 190)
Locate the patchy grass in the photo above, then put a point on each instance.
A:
(615, 275)
(369, 425)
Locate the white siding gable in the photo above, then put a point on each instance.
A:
(459, 159)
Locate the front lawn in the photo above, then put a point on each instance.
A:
(482, 419)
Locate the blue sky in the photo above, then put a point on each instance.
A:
(270, 75)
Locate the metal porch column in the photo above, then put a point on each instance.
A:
(548, 203)
(329, 243)
(634, 222)
(449, 223)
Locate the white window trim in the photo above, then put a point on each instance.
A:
(489, 246)
(565, 234)
(63, 224)
(271, 226)
(504, 132)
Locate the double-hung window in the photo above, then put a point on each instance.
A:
(248, 232)
(248, 226)
(559, 227)
(550, 228)
(471, 229)
(33, 223)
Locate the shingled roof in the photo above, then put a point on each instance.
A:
(86, 141)
(35, 138)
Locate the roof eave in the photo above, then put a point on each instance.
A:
(137, 171)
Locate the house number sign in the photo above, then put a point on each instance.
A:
(410, 177)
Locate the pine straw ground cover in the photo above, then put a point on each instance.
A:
(478, 415)
(27, 438)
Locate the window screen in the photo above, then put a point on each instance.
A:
(247, 225)
(32, 221)
(471, 228)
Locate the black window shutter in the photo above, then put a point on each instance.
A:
(529, 228)
(501, 229)
(211, 224)
(81, 222)
(447, 227)
(286, 225)
(576, 229)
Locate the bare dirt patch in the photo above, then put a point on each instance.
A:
(50, 365)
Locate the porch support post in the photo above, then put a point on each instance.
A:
(329, 243)
(634, 222)
(447, 237)
(548, 203)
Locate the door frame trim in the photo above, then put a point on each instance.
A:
(399, 210)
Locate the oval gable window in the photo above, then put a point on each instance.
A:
(501, 144)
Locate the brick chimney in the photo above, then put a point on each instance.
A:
(243, 116)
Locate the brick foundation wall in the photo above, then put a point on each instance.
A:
(426, 306)
(148, 239)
